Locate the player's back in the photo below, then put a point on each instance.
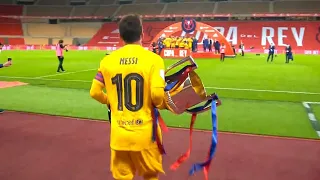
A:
(127, 74)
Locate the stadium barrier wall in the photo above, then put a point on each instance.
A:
(258, 35)
(177, 52)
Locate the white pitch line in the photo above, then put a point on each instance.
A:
(312, 102)
(264, 90)
(312, 117)
(221, 88)
(59, 74)
(318, 132)
(306, 105)
(43, 79)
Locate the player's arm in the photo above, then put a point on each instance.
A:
(158, 83)
(96, 91)
(64, 47)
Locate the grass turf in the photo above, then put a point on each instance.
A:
(258, 97)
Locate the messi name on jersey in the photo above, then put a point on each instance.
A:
(128, 61)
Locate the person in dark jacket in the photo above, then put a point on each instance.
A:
(216, 45)
(271, 52)
(289, 55)
(210, 45)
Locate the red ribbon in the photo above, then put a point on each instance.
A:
(185, 156)
(163, 127)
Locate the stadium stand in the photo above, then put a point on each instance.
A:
(193, 1)
(35, 41)
(46, 30)
(145, 1)
(87, 30)
(11, 10)
(35, 10)
(146, 9)
(242, 7)
(84, 10)
(296, 6)
(53, 2)
(11, 30)
(66, 40)
(102, 2)
(106, 11)
(6, 2)
(193, 8)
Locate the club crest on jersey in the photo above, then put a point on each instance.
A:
(188, 25)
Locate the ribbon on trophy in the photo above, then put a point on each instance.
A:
(186, 83)
(157, 119)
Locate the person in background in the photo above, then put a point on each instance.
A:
(194, 44)
(210, 45)
(160, 45)
(241, 47)
(271, 52)
(233, 48)
(189, 40)
(59, 53)
(173, 42)
(154, 47)
(6, 64)
(1, 46)
(205, 44)
(216, 45)
(222, 52)
(289, 55)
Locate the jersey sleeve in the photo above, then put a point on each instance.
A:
(99, 76)
(157, 74)
(97, 87)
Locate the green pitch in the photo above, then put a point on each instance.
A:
(258, 97)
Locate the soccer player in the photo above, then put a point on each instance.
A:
(189, 40)
(134, 81)
(59, 52)
(271, 52)
(167, 42)
(173, 42)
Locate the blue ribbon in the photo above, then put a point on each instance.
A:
(199, 166)
(155, 124)
(169, 86)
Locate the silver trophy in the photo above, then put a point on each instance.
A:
(184, 88)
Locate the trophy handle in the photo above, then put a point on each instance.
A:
(212, 97)
(188, 58)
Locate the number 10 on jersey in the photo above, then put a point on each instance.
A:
(124, 91)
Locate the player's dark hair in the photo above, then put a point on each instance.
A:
(60, 41)
(130, 28)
